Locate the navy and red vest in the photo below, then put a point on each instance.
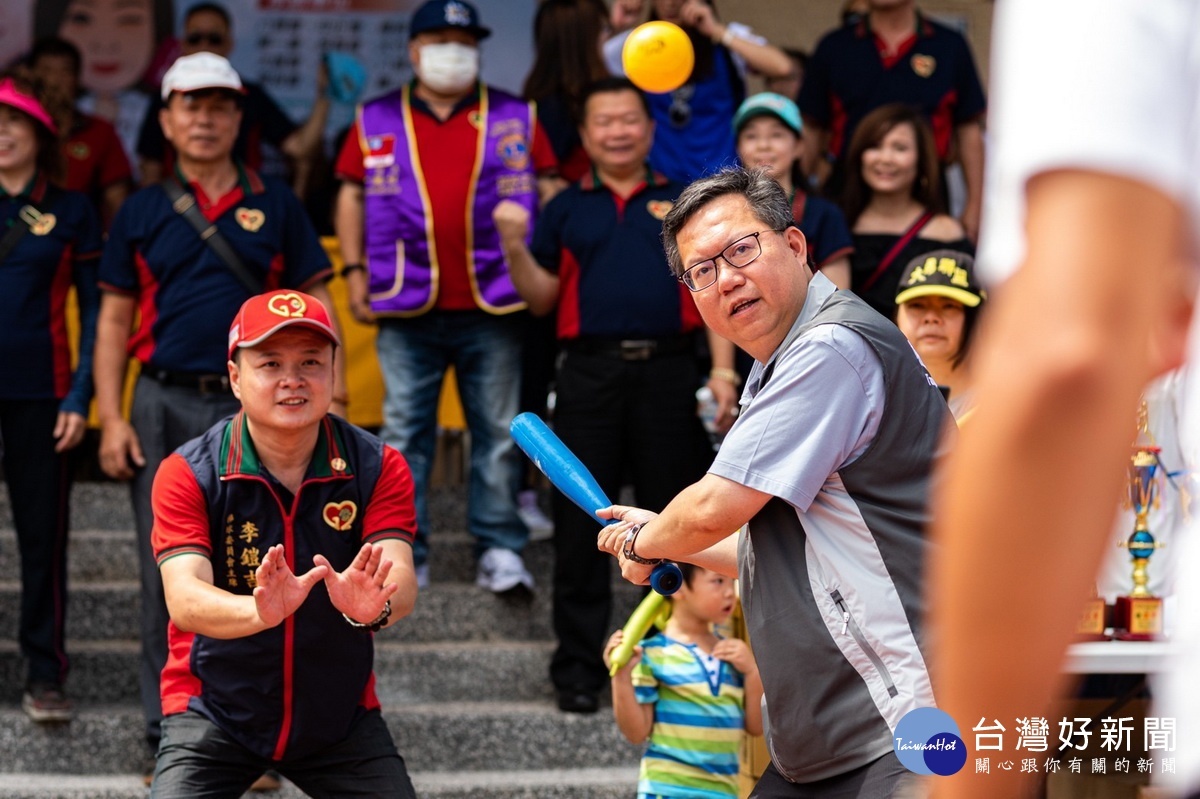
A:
(300, 686)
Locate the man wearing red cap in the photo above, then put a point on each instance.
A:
(284, 539)
(181, 258)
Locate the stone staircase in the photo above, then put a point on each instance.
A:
(462, 681)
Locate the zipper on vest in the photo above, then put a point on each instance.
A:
(849, 624)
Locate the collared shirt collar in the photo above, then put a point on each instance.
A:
(239, 458)
(820, 289)
(34, 190)
(247, 179)
(591, 180)
(922, 28)
(418, 104)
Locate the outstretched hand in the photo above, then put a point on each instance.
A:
(278, 591)
(361, 590)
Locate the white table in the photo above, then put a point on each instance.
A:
(1117, 657)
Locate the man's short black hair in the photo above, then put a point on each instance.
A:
(53, 46)
(611, 84)
(212, 8)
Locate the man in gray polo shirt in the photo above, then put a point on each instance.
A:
(828, 466)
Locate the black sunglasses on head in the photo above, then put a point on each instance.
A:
(200, 37)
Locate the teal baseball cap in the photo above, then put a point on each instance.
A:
(768, 104)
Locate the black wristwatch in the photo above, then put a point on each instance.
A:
(627, 548)
(377, 624)
(348, 268)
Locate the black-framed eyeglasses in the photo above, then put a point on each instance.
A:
(741, 253)
(203, 37)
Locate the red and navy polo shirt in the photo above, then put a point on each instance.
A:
(450, 146)
(186, 294)
(614, 280)
(58, 251)
(300, 686)
(848, 77)
(94, 157)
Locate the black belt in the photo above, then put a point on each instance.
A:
(202, 383)
(638, 349)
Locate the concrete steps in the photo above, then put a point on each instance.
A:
(444, 612)
(582, 783)
(105, 672)
(462, 681)
(444, 736)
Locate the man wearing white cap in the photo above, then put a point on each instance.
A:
(284, 538)
(186, 254)
(208, 28)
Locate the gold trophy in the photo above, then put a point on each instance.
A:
(1138, 615)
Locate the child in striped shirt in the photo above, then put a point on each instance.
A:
(692, 693)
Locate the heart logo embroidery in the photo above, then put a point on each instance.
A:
(924, 65)
(44, 224)
(250, 219)
(659, 208)
(340, 515)
(291, 305)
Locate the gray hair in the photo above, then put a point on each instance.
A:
(767, 200)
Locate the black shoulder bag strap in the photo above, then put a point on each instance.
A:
(27, 217)
(185, 205)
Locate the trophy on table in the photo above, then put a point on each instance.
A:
(1138, 615)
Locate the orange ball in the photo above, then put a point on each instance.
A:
(658, 57)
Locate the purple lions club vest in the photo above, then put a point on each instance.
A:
(398, 238)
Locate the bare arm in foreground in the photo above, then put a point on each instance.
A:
(1023, 514)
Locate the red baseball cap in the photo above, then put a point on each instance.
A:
(264, 315)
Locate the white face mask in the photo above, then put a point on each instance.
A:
(449, 68)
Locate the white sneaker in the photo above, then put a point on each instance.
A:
(540, 528)
(422, 571)
(502, 570)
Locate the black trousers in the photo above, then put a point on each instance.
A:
(198, 760)
(629, 422)
(39, 489)
(165, 418)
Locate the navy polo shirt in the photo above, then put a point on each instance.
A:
(54, 254)
(614, 281)
(847, 78)
(824, 227)
(188, 296)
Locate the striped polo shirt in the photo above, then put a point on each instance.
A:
(698, 721)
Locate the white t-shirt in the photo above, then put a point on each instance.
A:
(1112, 87)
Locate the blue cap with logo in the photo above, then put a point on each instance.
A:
(768, 104)
(437, 15)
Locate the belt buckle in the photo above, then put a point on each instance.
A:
(637, 350)
(212, 384)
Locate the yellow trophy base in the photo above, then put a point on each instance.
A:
(1138, 618)
(1092, 622)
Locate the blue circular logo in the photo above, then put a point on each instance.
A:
(927, 742)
